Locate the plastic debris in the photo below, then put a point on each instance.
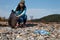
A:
(42, 32)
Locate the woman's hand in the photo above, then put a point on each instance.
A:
(17, 16)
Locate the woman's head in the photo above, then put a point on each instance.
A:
(21, 5)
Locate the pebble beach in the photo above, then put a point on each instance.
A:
(27, 33)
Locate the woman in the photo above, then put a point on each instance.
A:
(21, 13)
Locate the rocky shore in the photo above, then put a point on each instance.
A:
(27, 33)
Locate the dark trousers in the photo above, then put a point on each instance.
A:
(22, 19)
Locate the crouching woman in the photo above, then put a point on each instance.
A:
(21, 13)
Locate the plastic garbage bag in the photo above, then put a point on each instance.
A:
(42, 32)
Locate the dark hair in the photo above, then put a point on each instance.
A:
(19, 8)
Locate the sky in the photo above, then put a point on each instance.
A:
(35, 8)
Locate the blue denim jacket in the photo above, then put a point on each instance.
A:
(21, 13)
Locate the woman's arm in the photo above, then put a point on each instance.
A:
(22, 13)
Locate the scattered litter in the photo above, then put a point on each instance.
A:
(42, 32)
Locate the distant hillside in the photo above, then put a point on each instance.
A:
(3, 19)
(49, 18)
